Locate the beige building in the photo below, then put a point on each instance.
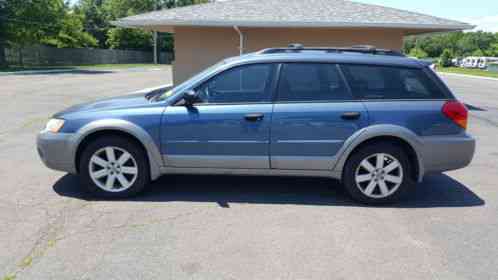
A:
(207, 33)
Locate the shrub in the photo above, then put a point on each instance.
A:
(418, 53)
(445, 59)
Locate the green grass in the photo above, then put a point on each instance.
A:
(82, 67)
(9, 277)
(117, 66)
(26, 262)
(19, 68)
(473, 72)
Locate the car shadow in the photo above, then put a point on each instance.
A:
(437, 191)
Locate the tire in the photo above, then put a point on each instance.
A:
(370, 184)
(130, 170)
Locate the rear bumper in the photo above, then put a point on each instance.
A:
(444, 153)
(56, 151)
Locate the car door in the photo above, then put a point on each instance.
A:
(313, 116)
(411, 98)
(230, 125)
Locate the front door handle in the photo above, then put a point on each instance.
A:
(351, 115)
(254, 117)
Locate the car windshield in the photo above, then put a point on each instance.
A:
(181, 87)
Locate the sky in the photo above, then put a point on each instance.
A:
(483, 13)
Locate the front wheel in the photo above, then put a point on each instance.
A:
(379, 173)
(114, 167)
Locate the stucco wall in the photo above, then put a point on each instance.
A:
(199, 47)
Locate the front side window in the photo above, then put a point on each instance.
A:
(385, 82)
(243, 84)
(311, 82)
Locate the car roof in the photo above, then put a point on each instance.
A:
(328, 57)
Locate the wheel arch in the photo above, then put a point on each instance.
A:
(123, 128)
(398, 135)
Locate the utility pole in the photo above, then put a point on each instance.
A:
(155, 46)
(154, 34)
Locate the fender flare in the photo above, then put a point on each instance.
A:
(153, 153)
(380, 130)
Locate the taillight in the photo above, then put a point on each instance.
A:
(457, 112)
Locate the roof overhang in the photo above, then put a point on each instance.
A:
(153, 23)
(168, 25)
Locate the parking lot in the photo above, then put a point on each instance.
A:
(215, 227)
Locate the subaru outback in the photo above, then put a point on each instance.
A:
(373, 119)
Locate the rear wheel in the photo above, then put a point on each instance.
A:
(114, 167)
(379, 173)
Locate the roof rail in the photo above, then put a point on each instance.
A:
(299, 48)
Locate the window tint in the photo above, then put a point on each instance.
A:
(382, 82)
(242, 84)
(311, 82)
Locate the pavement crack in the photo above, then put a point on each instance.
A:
(47, 235)
(127, 225)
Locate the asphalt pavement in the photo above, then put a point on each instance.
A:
(221, 227)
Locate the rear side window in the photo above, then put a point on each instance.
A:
(311, 82)
(384, 82)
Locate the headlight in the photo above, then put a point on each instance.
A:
(54, 125)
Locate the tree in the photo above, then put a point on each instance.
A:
(458, 43)
(478, 52)
(493, 50)
(409, 43)
(51, 22)
(29, 21)
(451, 41)
(122, 38)
(122, 8)
(445, 59)
(71, 34)
(418, 53)
(432, 45)
(3, 14)
(96, 19)
(474, 41)
(136, 38)
(179, 3)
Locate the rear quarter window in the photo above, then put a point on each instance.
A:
(386, 82)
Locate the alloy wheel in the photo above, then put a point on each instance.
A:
(379, 175)
(113, 169)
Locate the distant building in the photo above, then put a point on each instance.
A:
(206, 33)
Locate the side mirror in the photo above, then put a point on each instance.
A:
(191, 97)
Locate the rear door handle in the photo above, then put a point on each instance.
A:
(351, 115)
(254, 117)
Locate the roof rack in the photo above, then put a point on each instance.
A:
(299, 48)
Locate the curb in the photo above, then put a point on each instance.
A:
(468, 76)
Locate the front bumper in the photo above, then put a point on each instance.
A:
(447, 153)
(56, 151)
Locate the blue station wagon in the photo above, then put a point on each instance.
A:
(373, 119)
